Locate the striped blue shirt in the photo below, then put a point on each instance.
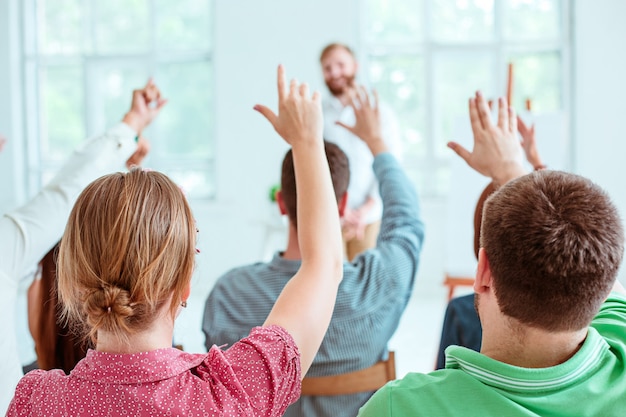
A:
(374, 292)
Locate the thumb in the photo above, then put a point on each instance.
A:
(345, 126)
(460, 150)
(267, 113)
(161, 102)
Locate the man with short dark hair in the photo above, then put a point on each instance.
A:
(361, 221)
(375, 288)
(554, 336)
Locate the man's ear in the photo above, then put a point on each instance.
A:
(483, 280)
(280, 202)
(343, 203)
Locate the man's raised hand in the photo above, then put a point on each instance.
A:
(497, 152)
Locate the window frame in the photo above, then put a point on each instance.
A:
(33, 61)
(427, 49)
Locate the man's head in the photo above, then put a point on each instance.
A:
(339, 172)
(339, 67)
(553, 242)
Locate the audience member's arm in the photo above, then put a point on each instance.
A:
(3, 141)
(367, 126)
(497, 152)
(27, 233)
(305, 306)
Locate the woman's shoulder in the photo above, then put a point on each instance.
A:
(34, 381)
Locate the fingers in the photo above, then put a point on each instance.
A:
(364, 96)
(304, 90)
(293, 87)
(267, 113)
(503, 114)
(460, 150)
(345, 126)
(375, 95)
(160, 103)
(474, 117)
(512, 120)
(483, 110)
(282, 82)
(521, 126)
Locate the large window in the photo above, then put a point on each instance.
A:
(82, 58)
(427, 57)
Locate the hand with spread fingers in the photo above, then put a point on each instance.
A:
(367, 119)
(299, 117)
(497, 152)
(529, 144)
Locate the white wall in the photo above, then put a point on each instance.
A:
(600, 91)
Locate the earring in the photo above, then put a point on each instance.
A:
(183, 304)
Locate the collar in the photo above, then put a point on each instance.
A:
(134, 368)
(514, 378)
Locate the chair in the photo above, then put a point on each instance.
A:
(363, 380)
(452, 281)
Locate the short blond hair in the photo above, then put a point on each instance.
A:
(128, 248)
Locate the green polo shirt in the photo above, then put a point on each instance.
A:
(590, 383)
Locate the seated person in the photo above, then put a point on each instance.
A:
(124, 271)
(376, 285)
(552, 312)
(56, 345)
(27, 233)
(461, 326)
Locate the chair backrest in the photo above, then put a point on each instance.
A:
(368, 379)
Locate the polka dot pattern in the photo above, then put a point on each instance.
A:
(258, 376)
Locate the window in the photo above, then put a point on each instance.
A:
(427, 57)
(82, 58)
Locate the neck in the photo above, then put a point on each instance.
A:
(158, 335)
(529, 347)
(343, 98)
(292, 251)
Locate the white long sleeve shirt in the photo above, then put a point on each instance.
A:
(28, 233)
(363, 184)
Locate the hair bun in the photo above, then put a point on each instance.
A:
(107, 305)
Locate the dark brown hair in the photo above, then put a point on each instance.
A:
(334, 46)
(56, 345)
(339, 173)
(554, 242)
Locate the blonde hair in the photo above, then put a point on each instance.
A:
(128, 248)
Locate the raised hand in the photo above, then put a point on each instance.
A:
(299, 118)
(529, 144)
(497, 152)
(367, 119)
(145, 106)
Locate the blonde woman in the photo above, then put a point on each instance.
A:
(125, 267)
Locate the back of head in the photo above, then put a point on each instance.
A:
(339, 172)
(554, 243)
(128, 249)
